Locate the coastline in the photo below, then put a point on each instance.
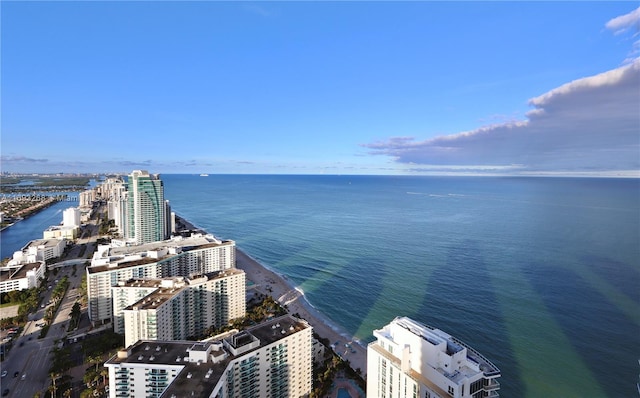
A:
(271, 283)
(268, 282)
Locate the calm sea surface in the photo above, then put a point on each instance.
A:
(541, 275)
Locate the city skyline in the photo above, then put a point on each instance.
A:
(310, 88)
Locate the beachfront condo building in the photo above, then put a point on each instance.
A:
(117, 201)
(409, 359)
(86, 198)
(111, 264)
(272, 359)
(128, 293)
(147, 219)
(178, 308)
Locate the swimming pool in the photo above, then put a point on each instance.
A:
(343, 393)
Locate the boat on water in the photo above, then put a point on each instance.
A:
(204, 175)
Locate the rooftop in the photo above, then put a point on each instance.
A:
(453, 345)
(61, 227)
(169, 287)
(198, 378)
(17, 272)
(124, 263)
(117, 257)
(44, 242)
(193, 241)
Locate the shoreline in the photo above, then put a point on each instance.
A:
(271, 283)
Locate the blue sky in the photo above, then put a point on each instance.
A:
(539, 88)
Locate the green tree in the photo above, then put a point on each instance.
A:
(75, 314)
(95, 359)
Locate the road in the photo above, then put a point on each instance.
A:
(31, 356)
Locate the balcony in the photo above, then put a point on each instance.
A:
(491, 385)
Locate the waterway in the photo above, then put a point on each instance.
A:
(15, 237)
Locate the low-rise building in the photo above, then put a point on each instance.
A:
(272, 359)
(38, 250)
(61, 232)
(22, 276)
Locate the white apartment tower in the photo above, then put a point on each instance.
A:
(179, 308)
(86, 198)
(117, 199)
(111, 265)
(409, 359)
(272, 359)
(71, 217)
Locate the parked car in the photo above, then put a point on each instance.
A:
(4, 373)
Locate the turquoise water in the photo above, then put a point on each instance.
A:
(541, 275)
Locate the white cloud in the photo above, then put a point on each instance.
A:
(20, 159)
(624, 23)
(620, 24)
(588, 125)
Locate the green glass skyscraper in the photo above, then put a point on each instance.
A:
(146, 208)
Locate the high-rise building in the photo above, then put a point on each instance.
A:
(170, 220)
(86, 198)
(71, 217)
(409, 359)
(146, 208)
(115, 192)
(178, 308)
(110, 265)
(272, 359)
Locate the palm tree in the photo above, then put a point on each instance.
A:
(54, 376)
(95, 359)
(104, 373)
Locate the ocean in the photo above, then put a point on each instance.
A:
(541, 275)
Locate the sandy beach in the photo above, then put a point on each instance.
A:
(268, 282)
